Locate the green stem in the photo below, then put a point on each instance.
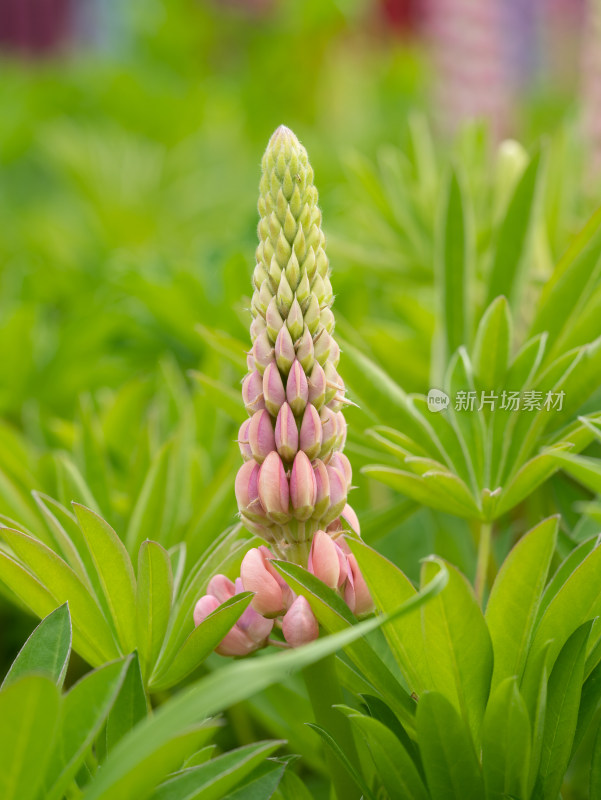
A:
(325, 691)
(484, 548)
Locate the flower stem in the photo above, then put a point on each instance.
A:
(325, 691)
(484, 549)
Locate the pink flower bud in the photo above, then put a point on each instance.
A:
(334, 352)
(303, 487)
(255, 626)
(340, 431)
(310, 432)
(337, 494)
(246, 488)
(286, 433)
(273, 320)
(221, 587)
(341, 462)
(299, 625)
(304, 351)
(323, 559)
(268, 599)
(262, 351)
(236, 643)
(205, 606)
(294, 320)
(252, 392)
(284, 350)
(260, 435)
(273, 489)
(352, 520)
(297, 390)
(329, 430)
(250, 361)
(287, 592)
(334, 384)
(243, 440)
(321, 346)
(273, 389)
(256, 327)
(356, 593)
(322, 494)
(317, 386)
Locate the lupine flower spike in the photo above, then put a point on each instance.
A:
(292, 488)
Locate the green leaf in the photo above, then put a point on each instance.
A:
(595, 778)
(92, 637)
(115, 572)
(261, 783)
(153, 601)
(84, 710)
(129, 707)
(565, 569)
(454, 263)
(46, 651)
(512, 244)
(394, 766)
(515, 596)
(578, 600)
(212, 780)
(418, 489)
(352, 770)
(571, 282)
(586, 471)
(492, 346)
(201, 642)
(448, 755)
(29, 710)
(333, 613)
(506, 742)
(389, 587)
(458, 646)
(563, 700)
(146, 517)
(134, 763)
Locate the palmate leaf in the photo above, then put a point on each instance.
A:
(134, 762)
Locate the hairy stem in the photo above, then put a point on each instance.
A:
(325, 691)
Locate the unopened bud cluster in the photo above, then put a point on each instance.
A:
(296, 478)
(275, 604)
(292, 488)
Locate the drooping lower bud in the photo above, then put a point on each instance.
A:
(299, 625)
(323, 559)
(356, 593)
(268, 599)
